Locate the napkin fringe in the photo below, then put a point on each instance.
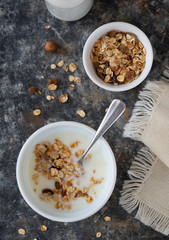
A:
(129, 200)
(143, 109)
(138, 173)
(152, 218)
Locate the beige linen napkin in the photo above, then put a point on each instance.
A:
(147, 191)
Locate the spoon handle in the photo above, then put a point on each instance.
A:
(115, 110)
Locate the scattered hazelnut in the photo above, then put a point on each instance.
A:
(32, 89)
(53, 81)
(50, 46)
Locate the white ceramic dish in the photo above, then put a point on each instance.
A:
(98, 33)
(23, 179)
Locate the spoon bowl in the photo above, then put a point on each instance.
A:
(75, 131)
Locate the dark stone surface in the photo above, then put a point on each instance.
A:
(23, 62)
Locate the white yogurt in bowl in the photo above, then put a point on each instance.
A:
(101, 166)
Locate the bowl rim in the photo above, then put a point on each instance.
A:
(95, 35)
(19, 173)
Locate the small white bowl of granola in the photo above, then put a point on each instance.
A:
(51, 181)
(117, 56)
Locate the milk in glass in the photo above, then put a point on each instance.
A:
(69, 10)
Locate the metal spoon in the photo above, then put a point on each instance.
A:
(115, 110)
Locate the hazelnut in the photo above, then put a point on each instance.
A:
(32, 89)
(53, 81)
(50, 46)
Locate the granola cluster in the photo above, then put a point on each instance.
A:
(55, 161)
(118, 57)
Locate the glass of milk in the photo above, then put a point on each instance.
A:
(69, 10)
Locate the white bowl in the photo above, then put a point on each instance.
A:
(23, 179)
(98, 33)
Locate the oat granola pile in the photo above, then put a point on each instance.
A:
(118, 57)
(55, 161)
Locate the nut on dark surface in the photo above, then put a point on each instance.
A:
(32, 90)
(53, 81)
(50, 46)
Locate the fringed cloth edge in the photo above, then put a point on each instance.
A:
(144, 108)
(129, 200)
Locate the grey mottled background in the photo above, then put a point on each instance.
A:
(22, 63)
